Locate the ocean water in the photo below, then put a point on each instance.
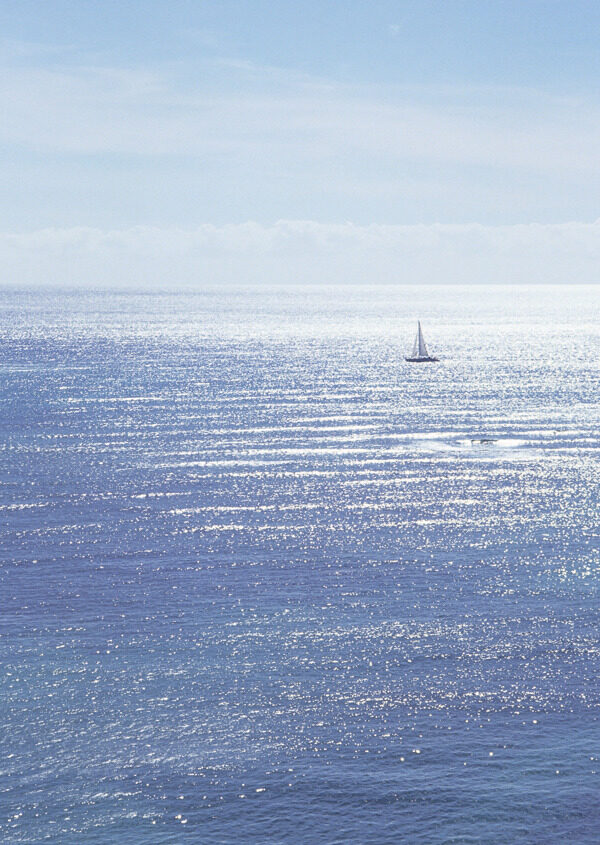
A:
(261, 581)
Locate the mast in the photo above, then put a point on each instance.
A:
(419, 349)
(423, 353)
(415, 349)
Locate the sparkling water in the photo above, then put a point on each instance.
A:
(263, 581)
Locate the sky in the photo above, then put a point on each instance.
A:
(231, 141)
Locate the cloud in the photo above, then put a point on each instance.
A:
(238, 107)
(217, 138)
(292, 251)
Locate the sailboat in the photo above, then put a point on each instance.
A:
(419, 354)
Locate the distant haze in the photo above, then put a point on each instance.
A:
(185, 143)
(304, 252)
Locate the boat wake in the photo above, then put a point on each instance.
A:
(497, 448)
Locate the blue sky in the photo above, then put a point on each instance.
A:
(125, 118)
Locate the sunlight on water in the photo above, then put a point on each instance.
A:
(259, 574)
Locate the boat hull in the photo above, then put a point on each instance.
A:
(428, 360)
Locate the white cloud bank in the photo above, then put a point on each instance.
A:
(303, 252)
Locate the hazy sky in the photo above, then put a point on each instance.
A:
(320, 140)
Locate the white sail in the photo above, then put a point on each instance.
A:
(419, 349)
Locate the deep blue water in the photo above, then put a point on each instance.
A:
(258, 584)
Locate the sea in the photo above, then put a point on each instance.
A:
(263, 581)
